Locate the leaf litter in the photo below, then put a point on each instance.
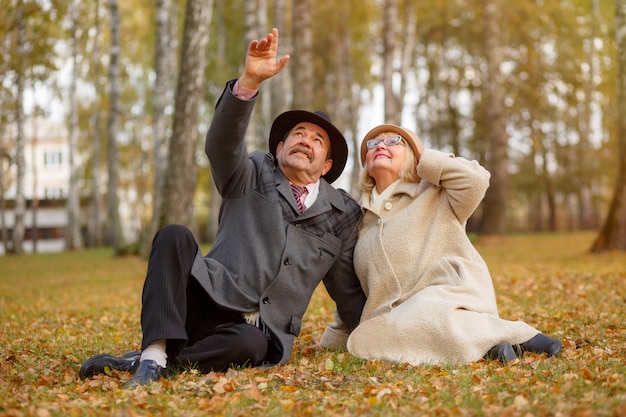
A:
(48, 330)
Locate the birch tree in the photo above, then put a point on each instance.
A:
(73, 238)
(35, 173)
(393, 108)
(181, 179)
(301, 68)
(28, 33)
(613, 233)
(343, 60)
(280, 85)
(399, 21)
(115, 226)
(265, 118)
(494, 209)
(20, 199)
(4, 173)
(94, 225)
(5, 160)
(251, 31)
(164, 69)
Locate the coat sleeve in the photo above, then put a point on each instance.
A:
(233, 172)
(465, 182)
(341, 281)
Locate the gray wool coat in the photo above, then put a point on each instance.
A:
(268, 257)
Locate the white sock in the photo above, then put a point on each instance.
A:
(156, 352)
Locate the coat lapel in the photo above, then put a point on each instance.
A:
(284, 189)
(326, 199)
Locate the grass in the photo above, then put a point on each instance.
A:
(57, 310)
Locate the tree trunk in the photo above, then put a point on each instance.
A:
(353, 101)
(34, 208)
(353, 123)
(94, 222)
(73, 239)
(393, 28)
(613, 234)
(550, 192)
(584, 197)
(584, 150)
(264, 113)
(251, 31)
(343, 93)
(20, 200)
(115, 225)
(390, 23)
(164, 71)
(279, 86)
(3, 172)
(301, 67)
(181, 179)
(215, 200)
(94, 226)
(494, 208)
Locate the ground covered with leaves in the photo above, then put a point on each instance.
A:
(58, 310)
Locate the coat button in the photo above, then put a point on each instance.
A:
(378, 221)
(286, 261)
(265, 300)
(388, 205)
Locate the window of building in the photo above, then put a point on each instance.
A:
(54, 193)
(52, 158)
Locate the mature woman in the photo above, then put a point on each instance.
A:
(430, 295)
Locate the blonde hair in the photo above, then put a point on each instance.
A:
(408, 171)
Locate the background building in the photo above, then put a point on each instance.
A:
(46, 180)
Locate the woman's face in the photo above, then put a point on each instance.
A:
(385, 159)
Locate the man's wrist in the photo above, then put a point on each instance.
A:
(244, 93)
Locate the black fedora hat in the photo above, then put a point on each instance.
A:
(286, 121)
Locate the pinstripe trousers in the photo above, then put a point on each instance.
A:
(176, 308)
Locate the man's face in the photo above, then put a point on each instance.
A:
(302, 154)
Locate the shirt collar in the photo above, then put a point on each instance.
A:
(313, 191)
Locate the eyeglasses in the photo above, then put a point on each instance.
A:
(387, 140)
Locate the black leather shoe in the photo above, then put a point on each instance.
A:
(542, 344)
(502, 352)
(97, 364)
(147, 372)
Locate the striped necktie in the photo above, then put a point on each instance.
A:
(299, 192)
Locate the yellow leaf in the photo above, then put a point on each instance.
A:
(382, 393)
(587, 374)
(520, 402)
(287, 404)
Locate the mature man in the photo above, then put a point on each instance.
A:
(282, 230)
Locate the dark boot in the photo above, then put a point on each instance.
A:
(542, 344)
(98, 364)
(502, 352)
(147, 372)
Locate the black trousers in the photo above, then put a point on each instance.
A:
(176, 308)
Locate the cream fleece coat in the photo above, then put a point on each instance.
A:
(430, 295)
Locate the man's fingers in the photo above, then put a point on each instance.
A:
(283, 61)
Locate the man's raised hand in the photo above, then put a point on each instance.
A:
(261, 62)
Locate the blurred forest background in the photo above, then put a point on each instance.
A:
(532, 89)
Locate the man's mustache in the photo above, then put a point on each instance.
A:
(302, 149)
